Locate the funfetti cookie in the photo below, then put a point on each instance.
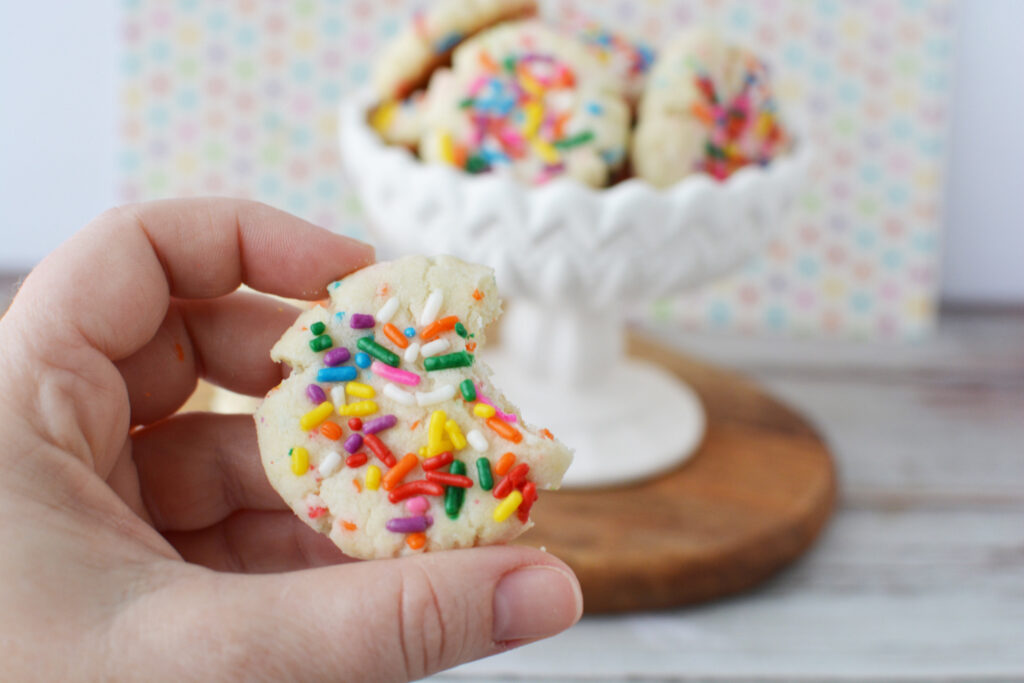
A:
(427, 43)
(388, 435)
(707, 107)
(528, 101)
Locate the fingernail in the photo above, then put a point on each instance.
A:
(535, 602)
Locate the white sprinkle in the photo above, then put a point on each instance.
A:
(412, 351)
(477, 440)
(399, 395)
(387, 311)
(429, 398)
(329, 464)
(435, 347)
(338, 394)
(431, 308)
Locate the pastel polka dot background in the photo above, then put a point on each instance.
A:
(239, 98)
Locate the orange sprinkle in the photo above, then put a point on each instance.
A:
(471, 346)
(438, 326)
(179, 352)
(477, 294)
(395, 335)
(416, 541)
(504, 429)
(332, 430)
(348, 526)
(487, 63)
(560, 122)
(547, 435)
(398, 472)
(703, 112)
(355, 482)
(383, 289)
(505, 463)
(322, 302)
(459, 154)
(414, 425)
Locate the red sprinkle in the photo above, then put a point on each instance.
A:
(355, 424)
(450, 479)
(317, 511)
(356, 460)
(419, 487)
(529, 497)
(438, 461)
(515, 476)
(379, 449)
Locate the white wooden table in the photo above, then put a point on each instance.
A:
(920, 574)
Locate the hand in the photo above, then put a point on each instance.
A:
(140, 544)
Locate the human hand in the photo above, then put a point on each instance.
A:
(139, 543)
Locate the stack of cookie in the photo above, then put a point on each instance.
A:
(486, 87)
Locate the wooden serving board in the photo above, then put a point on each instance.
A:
(752, 499)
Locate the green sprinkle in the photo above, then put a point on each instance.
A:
(321, 343)
(460, 330)
(714, 151)
(575, 140)
(461, 359)
(371, 347)
(476, 164)
(468, 390)
(483, 473)
(510, 64)
(455, 495)
(317, 328)
(466, 103)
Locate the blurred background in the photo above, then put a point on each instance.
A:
(911, 107)
(911, 230)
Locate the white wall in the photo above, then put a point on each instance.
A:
(58, 140)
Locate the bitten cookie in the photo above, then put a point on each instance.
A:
(526, 100)
(399, 122)
(427, 43)
(707, 107)
(388, 435)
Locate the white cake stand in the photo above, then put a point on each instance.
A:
(575, 262)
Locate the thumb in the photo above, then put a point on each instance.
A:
(386, 620)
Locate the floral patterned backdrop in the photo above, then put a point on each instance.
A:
(240, 97)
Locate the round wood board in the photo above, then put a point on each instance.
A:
(752, 499)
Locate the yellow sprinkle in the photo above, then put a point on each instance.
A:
(545, 151)
(447, 148)
(300, 461)
(455, 434)
(533, 112)
(359, 408)
(483, 410)
(359, 389)
(313, 418)
(764, 124)
(373, 477)
(383, 116)
(507, 506)
(435, 433)
(423, 451)
(530, 84)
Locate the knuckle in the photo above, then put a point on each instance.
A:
(427, 629)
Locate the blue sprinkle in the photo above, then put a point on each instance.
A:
(409, 332)
(363, 360)
(339, 316)
(341, 373)
(335, 284)
(595, 108)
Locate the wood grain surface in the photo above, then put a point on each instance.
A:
(752, 499)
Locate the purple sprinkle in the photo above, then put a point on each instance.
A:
(361, 321)
(409, 525)
(316, 394)
(353, 443)
(336, 356)
(379, 424)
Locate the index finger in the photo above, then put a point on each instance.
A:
(111, 283)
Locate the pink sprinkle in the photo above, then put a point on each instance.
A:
(394, 374)
(417, 505)
(507, 417)
(478, 83)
